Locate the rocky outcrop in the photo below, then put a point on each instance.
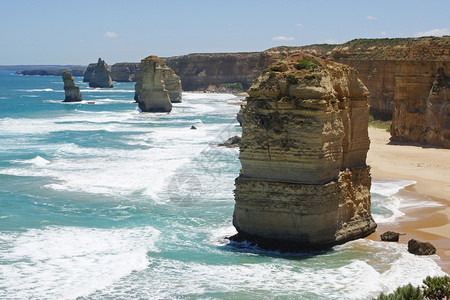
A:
(88, 72)
(304, 181)
(172, 82)
(124, 72)
(101, 76)
(390, 236)
(72, 91)
(49, 71)
(150, 88)
(232, 142)
(420, 248)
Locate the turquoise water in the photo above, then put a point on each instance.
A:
(99, 201)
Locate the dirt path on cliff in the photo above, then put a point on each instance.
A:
(430, 168)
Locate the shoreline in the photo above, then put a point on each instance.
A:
(430, 169)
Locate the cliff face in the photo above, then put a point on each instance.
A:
(124, 72)
(152, 95)
(172, 82)
(400, 73)
(72, 92)
(304, 180)
(88, 72)
(205, 71)
(101, 76)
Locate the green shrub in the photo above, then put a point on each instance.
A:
(407, 292)
(272, 74)
(307, 63)
(436, 288)
(292, 79)
(237, 86)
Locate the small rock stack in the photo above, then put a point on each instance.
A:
(101, 76)
(72, 91)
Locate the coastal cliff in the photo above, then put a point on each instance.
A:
(401, 74)
(209, 71)
(152, 95)
(124, 72)
(304, 181)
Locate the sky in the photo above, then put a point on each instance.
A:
(79, 32)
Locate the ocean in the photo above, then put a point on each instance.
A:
(98, 201)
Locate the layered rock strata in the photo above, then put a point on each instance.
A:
(152, 93)
(101, 76)
(172, 82)
(72, 92)
(304, 181)
(408, 80)
(124, 72)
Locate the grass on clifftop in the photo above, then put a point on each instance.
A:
(380, 124)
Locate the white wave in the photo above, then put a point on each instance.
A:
(388, 187)
(37, 161)
(36, 90)
(68, 262)
(328, 276)
(207, 96)
(385, 195)
(108, 90)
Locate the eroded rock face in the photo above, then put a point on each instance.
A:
(304, 180)
(88, 72)
(408, 79)
(420, 248)
(72, 91)
(124, 72)
(152, 93)
(101, 76)
(172, 82)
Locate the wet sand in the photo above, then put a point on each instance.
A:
(430, 168)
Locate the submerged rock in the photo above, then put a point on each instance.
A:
(304, 181)
(101, 76)
(72, 91)
(193, 127)
(420, 248)
(172, 82)
(152, 93)
(390, 236)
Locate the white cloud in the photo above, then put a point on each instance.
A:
(111, 35)
(371, 18)
(81, 41)
(383, 33)
(299, 25)
(283, 38)
(434, 32)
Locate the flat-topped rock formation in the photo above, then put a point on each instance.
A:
(172, 82)
(304, 181)
(152, 95)
(124, 72)
(101, 76)
(72, 92)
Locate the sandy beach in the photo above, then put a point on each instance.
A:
(430, 168)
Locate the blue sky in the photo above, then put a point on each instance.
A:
(78, 32)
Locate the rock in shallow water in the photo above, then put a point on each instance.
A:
(101, 76)
(420, 248)
(304, 180)
(390, 236)
(72, 92)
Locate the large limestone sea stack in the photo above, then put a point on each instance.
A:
(172, 82)
(152, 95)
(72, 92)
(101, 76)
(304, 181)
